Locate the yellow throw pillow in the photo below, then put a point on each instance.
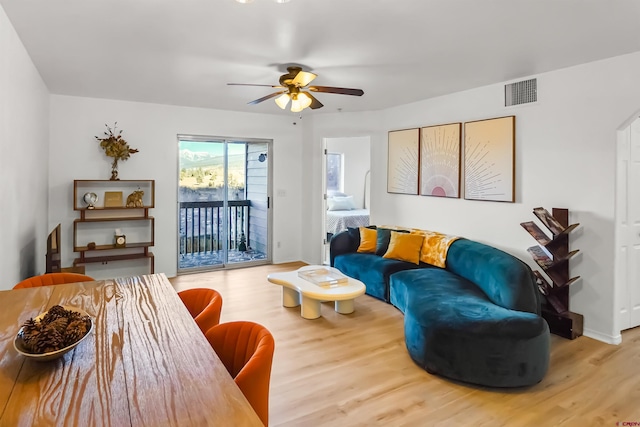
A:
(404, 247)
(368, 240)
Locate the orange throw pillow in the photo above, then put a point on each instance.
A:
(368, 240)
(405, 247)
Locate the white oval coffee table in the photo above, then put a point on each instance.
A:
(297, 291)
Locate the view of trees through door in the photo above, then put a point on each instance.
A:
(223, 198)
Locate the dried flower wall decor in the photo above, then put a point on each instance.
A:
(115, 147)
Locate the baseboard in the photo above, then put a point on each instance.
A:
(609, 339)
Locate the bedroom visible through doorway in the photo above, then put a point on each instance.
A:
(346, 186)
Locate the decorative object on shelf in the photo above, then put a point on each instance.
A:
(120, 240)
(91, 245)
(440, 160)
(489, 159)
(134, 200)
(113, 199)
(402, 166)
(552, 255)
(90, 199)
(115, 147)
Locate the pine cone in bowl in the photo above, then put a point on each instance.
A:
(53, 333)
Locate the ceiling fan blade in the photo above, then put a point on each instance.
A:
(264, 98)
(340, 90)
(315, 104)
(250, 84)
(303, 78)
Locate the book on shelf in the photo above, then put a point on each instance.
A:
(536, 232)
(324, 277)
(548, 220)
(541, 256)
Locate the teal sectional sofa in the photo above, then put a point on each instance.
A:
(477, 320)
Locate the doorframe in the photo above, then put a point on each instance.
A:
(325, 243)
(620, 277)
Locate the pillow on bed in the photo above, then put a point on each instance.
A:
(341, 203)
(333, 193)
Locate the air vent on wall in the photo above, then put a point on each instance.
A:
(522, 92)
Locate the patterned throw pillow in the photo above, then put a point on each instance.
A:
(435, 247)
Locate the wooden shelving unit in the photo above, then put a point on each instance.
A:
(552, 255)
(93, 232)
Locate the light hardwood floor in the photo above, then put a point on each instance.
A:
(354, 370)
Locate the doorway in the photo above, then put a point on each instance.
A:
(223, 203)
(346, 186)
(627, 238)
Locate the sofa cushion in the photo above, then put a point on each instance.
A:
(505, 279)
(368, 239)
(453, 329)
(405, 247)
(384, 237)
(372, 270)
(434, 247)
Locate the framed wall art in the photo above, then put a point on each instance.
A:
(489, 159)
(440, 160)
(403, 161)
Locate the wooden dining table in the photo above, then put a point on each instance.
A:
(146, 362)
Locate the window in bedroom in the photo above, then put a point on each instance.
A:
(335, 181)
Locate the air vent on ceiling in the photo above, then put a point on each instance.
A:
(522, 92)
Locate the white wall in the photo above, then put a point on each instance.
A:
(24, 137)
(356, 162)
(565, 157)
(153, 129)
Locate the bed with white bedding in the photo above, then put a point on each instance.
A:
(339, 220)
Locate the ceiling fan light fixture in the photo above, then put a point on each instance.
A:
(244, 1)
(299, 101)
(304, 99)
(296, 104)
(283, 100)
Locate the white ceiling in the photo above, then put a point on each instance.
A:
(183, 52)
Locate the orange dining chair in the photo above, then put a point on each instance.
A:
(204, 305)
(53, 279)
(246, 349)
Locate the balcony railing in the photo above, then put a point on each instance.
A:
(202, 225)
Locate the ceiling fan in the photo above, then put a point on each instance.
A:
(295, 88)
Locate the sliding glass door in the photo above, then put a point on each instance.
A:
(223, 198)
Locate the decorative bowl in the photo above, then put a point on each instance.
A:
(19, 344)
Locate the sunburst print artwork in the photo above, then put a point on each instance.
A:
(489, 155)
(403, 161)
(440, 160)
